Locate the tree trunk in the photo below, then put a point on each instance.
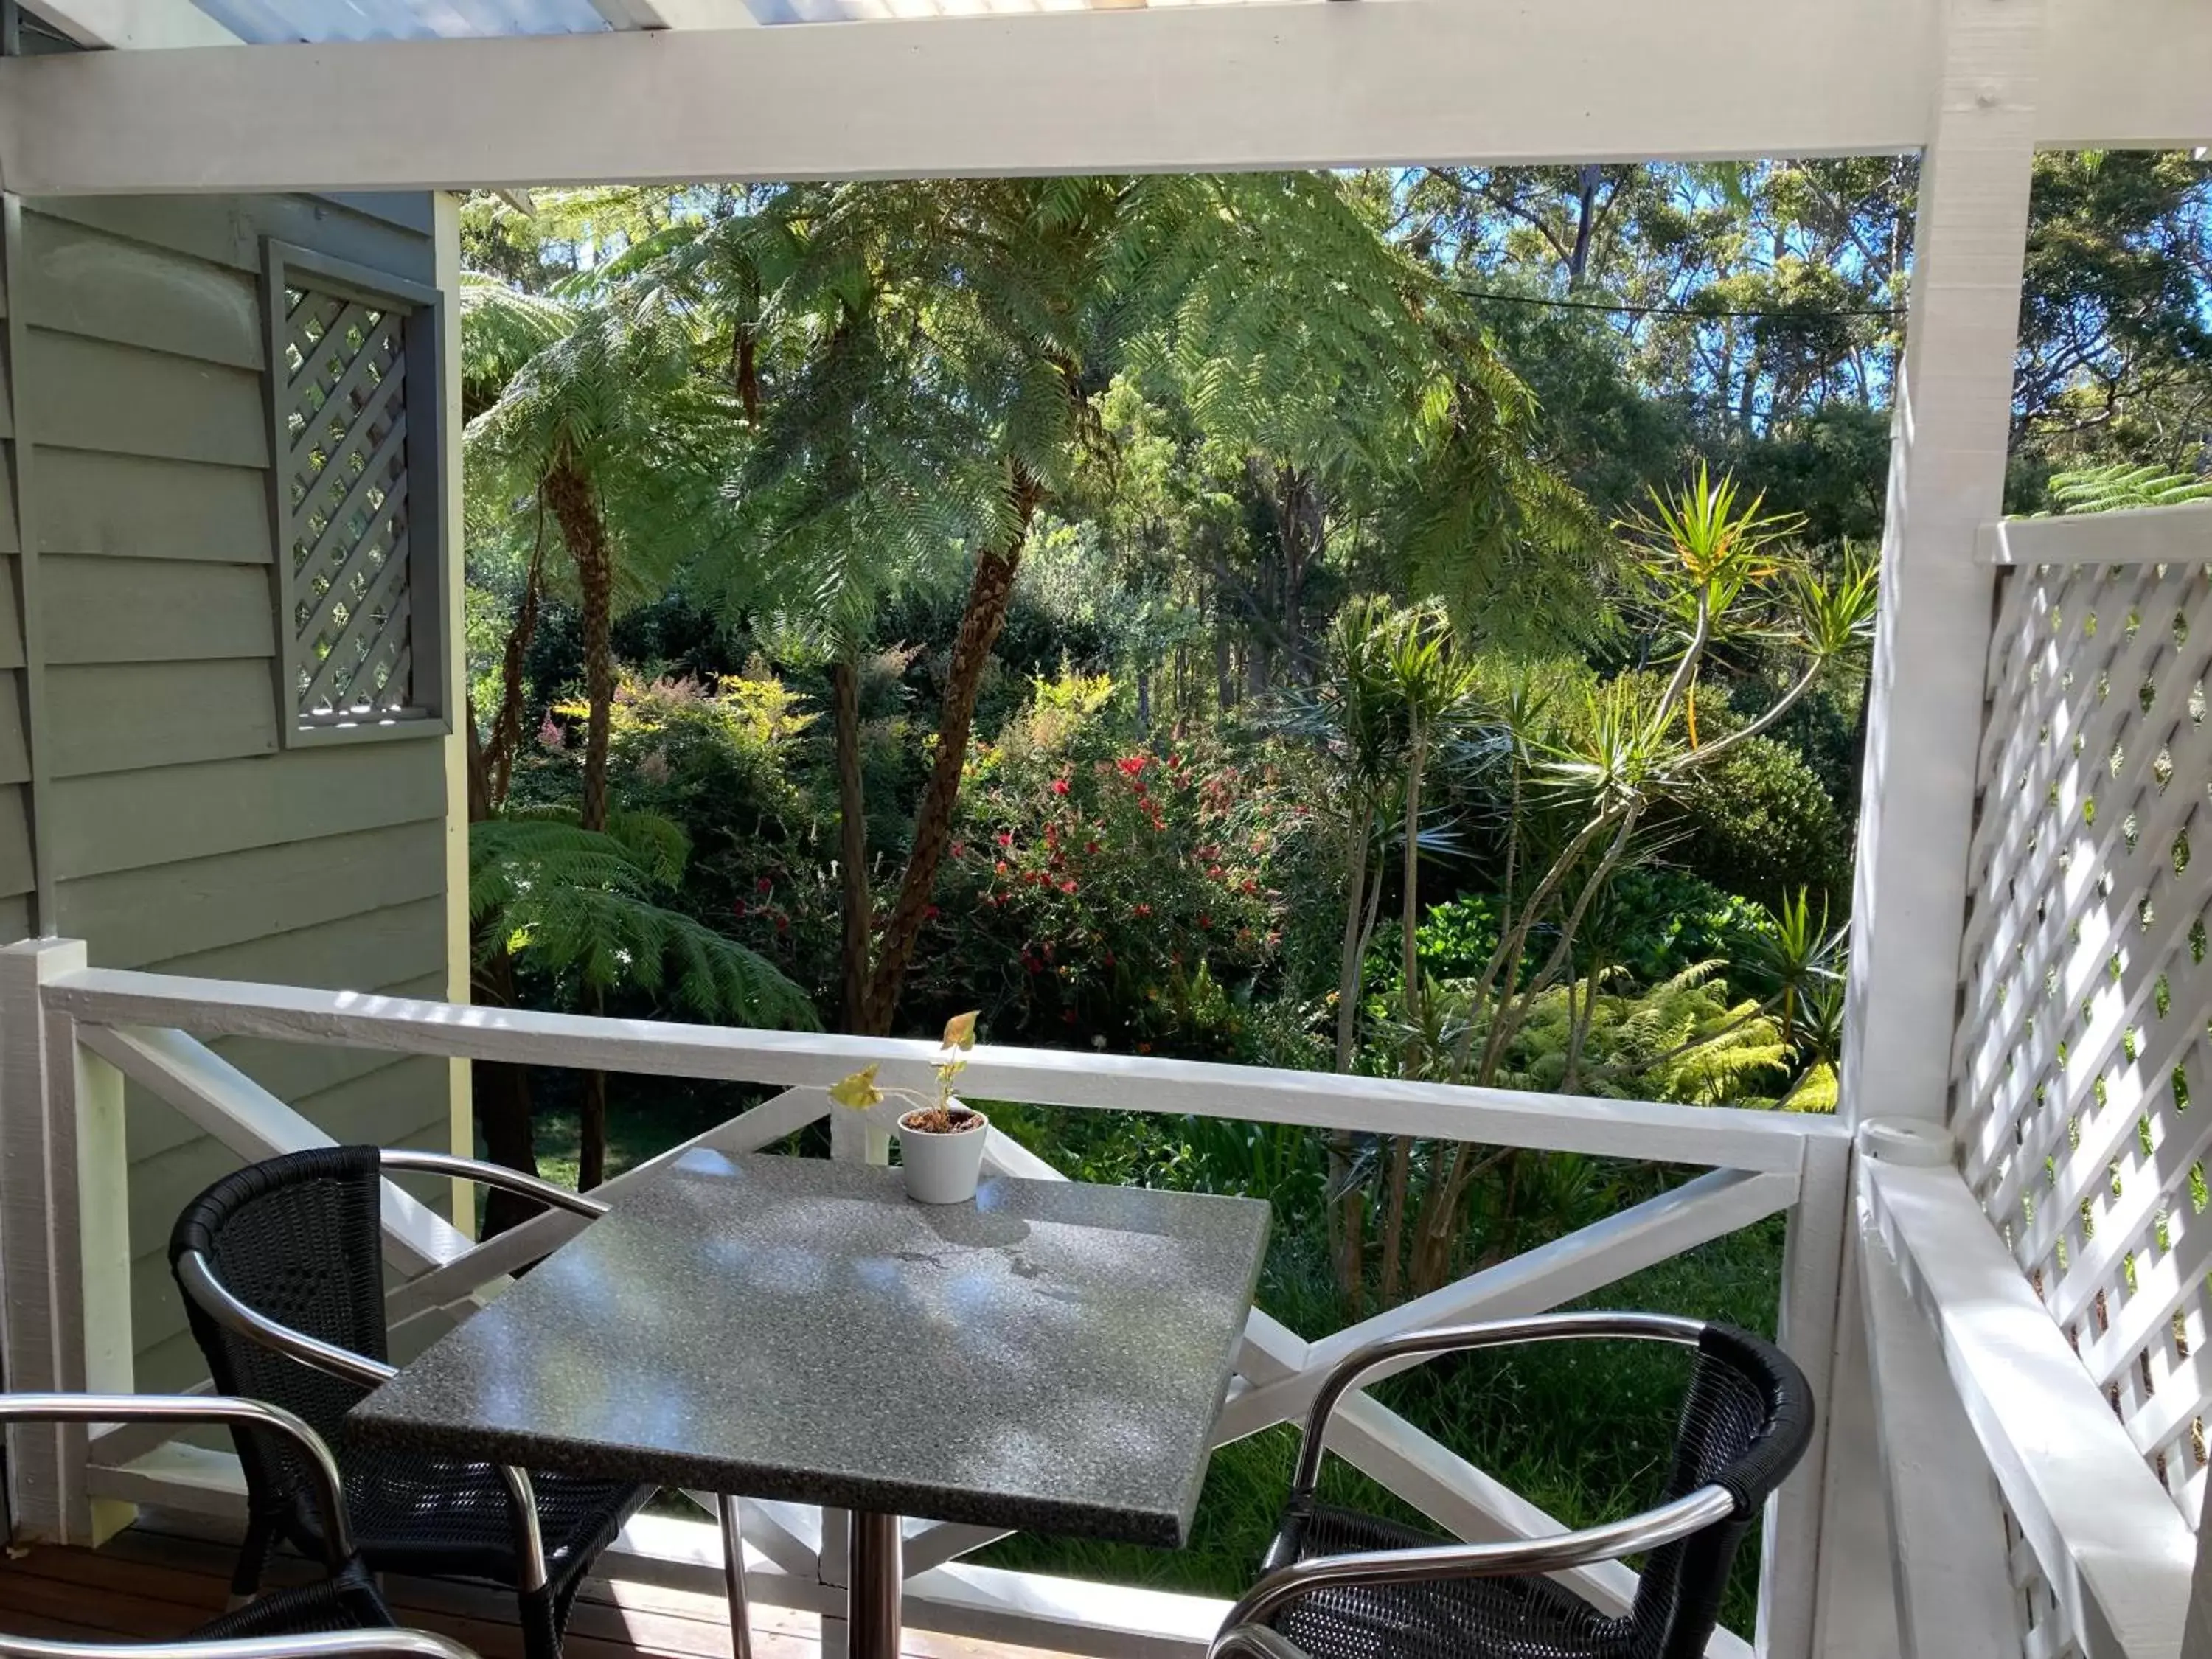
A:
(989, 594)
(1225, 677)
(1585, 221)
(479, 773)
(507, 722)
(1348, 965)
(592, 1127)
(501, 1094)
(568, 492)
(575, 505)
(857, 908)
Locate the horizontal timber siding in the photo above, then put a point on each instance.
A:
(177, 832)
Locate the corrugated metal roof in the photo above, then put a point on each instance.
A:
(268, 21)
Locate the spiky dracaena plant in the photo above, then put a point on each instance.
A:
(1712, 565)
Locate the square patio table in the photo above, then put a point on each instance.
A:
(1050, 1357)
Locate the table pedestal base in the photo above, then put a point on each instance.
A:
(875, 1568)
(733, 1575)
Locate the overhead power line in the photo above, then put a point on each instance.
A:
(1672, 311)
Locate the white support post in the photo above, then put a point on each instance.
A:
(1949, 435)
(1954, 1590)
(2197, 1636)
(64, 1240)
(1812, 1290)
(460, 1107)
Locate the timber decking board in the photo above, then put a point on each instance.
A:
(147, 1583)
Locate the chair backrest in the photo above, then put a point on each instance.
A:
(1747, 1420)
(297, 1238)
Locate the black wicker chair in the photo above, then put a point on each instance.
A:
(343, 1599)
(1340, 1585)
(281, 1269)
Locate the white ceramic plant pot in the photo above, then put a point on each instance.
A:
(943, 1169)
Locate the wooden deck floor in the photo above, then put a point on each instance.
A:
(148, 1584)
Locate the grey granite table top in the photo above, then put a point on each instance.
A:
(1051, 1357)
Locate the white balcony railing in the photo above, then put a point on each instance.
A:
(69, 1036)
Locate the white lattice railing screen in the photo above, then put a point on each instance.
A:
(349, 459)
(2083, 1036)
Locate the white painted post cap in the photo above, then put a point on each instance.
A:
(1912, 1143)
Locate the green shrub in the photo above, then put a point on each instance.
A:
(1758, 822)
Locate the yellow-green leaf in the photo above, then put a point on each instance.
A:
(859, 1091)
(960, 1030)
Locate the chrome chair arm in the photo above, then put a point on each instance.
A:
(214, 1297)
(335, 1645)
(226, 1409)
(1702, 1508)
(1254, 1642)
(491, 1175)
(1349, 1372)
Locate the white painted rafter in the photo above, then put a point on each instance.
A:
(1270, 85)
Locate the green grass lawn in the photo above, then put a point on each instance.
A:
(1582, 1430)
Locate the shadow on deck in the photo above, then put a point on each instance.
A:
(150, 1584)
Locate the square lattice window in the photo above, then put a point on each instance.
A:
(355, 406)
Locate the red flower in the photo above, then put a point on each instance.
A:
(1109, 958)
(1144, 910)
(1068, 1016)
(1205, 921)
(738, 909)
(763, 885)
(1213, 873)
(1143, 1047)
(930, 914)
(1005, 838)
(1250, 885)
(1067, 886)
(782, 923)
(1060, 785)
(1089, 846)
(1131, 764)
(959, 849)
(1030, 963)
(1000, 868)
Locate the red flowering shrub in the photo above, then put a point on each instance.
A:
(1128, 892)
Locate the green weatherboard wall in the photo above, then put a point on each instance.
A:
(172, 830)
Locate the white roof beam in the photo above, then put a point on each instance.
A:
(132, 23)
(676, 14)
(1219, 86)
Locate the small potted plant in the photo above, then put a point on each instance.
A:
(940, 1139)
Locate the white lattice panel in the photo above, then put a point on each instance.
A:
(2082, 1075)
(2045, 1630)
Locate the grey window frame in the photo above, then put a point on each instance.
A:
(426, 314)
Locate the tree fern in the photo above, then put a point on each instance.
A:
(584, 904)
(2120, 486)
